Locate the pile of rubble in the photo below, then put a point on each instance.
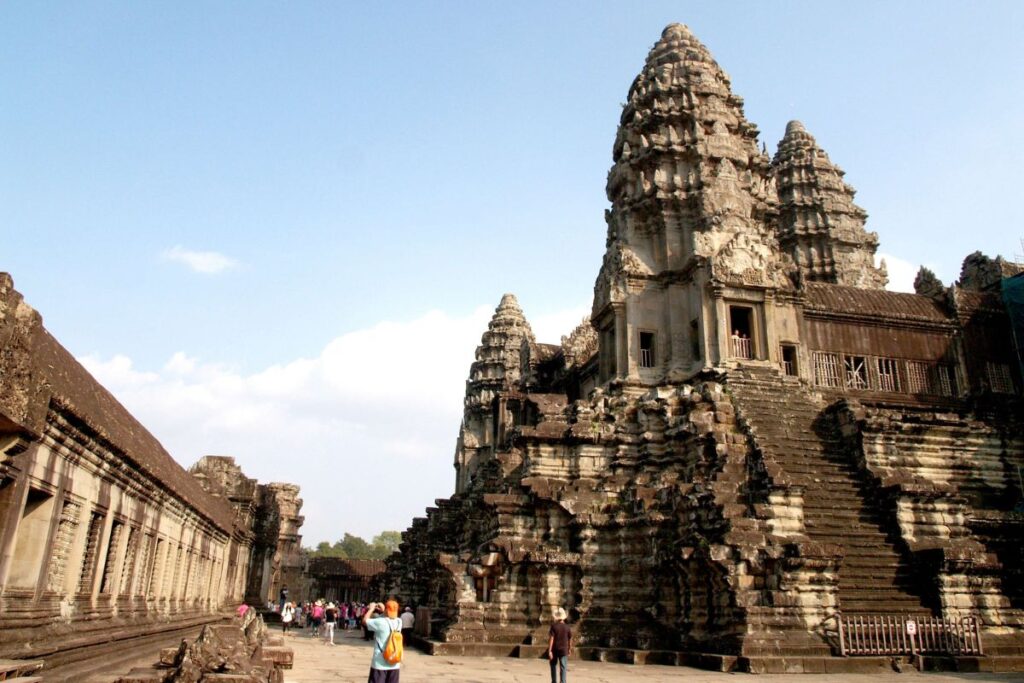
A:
(240, 652)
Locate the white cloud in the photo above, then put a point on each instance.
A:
(901, 272)
(180, 364)
(550, 328)
(377, 409)
(208, 262)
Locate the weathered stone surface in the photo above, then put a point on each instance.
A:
(751, 437)
(105, 537)
(819, 225)
(170, 656)
(238, 652)
(280, 656)
(145, 675)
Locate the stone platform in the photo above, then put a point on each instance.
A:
(349, 660)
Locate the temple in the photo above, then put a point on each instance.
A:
(106, 542)
(751, 449)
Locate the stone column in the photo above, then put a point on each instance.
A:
(621, 343)
(720, 345)
(771, 334)
(9, 535)
(676, 324)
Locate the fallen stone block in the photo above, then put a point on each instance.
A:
(283, 657)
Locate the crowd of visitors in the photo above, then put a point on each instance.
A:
(383, 623)
(321, 617)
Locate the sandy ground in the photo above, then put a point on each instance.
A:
(349, 660)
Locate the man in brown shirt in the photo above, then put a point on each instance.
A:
(559, 646)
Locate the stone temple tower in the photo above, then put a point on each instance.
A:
(495, 370)
(819, 225)
(751, 448)
(691, 249)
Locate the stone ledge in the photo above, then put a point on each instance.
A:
(830, 665)
(997, 664)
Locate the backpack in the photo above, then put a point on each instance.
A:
(392, 652)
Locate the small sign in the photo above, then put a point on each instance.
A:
(911, 628)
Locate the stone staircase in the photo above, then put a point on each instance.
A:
(787, 427)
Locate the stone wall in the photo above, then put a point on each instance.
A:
(103, 536)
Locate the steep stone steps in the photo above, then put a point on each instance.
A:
(785, 424)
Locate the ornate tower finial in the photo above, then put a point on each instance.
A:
(819, 225)
(927, 284)
(683, 140)
(691, 192)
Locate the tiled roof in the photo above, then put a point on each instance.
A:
(968, 302)
(873, 303)
(73, 387)
(37, 373)
(546, 352)
(337, 566)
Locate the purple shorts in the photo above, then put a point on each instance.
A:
(383, 675)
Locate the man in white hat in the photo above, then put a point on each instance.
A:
(559, 646)
(408, 619)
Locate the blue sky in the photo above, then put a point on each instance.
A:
(276, 230)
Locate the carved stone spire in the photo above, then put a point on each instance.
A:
(497, 368)
(688, 178)
(819, 225)
(580, 345)
(928, 284)
(498, 356)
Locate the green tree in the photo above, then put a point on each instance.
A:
(353, 547)
(385, 543)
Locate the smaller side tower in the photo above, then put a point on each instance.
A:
(819, 225)
(497, 368)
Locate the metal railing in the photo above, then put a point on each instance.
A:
(882, 634)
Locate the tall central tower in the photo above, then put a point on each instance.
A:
(691, 230)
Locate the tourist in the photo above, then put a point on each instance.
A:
(366, 609)
(318, 617)
(283, 597)
(330, 619)
(382, 626)
(408, 619)
(287, 615)
(559, 646)
(343, 615)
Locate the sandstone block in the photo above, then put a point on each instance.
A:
(280, 656)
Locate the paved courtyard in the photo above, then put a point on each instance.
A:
(349, 660)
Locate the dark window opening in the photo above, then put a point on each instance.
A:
(647, 350)
(741, 323)
(484, 586)
(789, 359)
(695, 339)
